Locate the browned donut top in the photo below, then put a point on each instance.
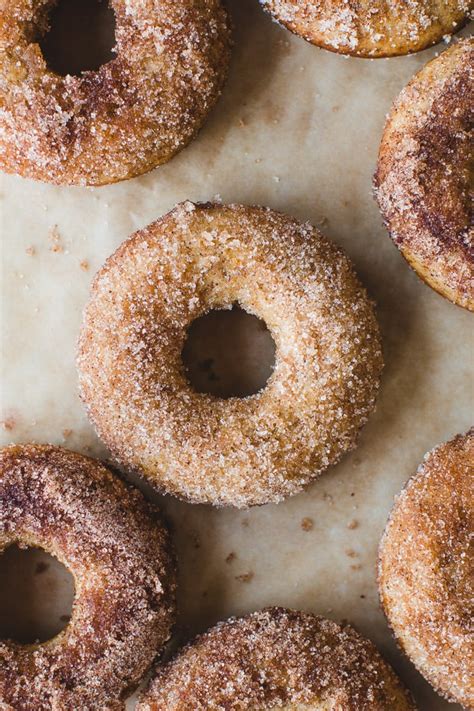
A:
(119, 555)
(424, 176)
(426, 571)
(371, 28)
(277, 659)
(132, 114)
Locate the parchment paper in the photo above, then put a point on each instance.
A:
(297, 129)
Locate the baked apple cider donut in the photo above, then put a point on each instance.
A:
(277, 659)
(424, 176)
(238, 451)
(426, 569)
(371, 28)
(132, 114)
(119, 555)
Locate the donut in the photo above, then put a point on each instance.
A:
(426, 569)
(234, 451)
(371, 28)
(277, 659)
(119, 555)
(424, 175)
(132, 114)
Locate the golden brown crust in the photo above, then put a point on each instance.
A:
(132, 114)
(426, 569)
(239, 451)
(277, 659)
(119, 554)
(371, 28)
(424, 175)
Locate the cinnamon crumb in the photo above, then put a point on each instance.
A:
(55, 239)
(352, 524)
(245, 577)
(84, 264)
(231, 557)
(8, 424)
(307, 524)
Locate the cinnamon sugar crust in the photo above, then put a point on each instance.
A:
(426, 569)
(238, 451)
(132, 114)
(277, 659)
(371, 28)
(119, 554)
(424, 176)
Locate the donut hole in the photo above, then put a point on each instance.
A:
(36, 595)
(81, 36)
(228, 353)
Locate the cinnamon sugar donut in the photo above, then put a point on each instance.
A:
(119, 555)
(426, 569)
(236, 451)
(132, 114)
(277, 659)
(424, 176)
(371, 28)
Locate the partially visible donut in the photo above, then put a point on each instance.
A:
(426, 569)
(119, 555)
(425, 170)
(132, 114)
(236, 451)
(371, 28)
(277, 659)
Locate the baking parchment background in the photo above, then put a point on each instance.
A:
(297, 129)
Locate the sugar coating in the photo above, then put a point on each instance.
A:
(371, 28)
(239, 451)
(277, 659)
(119, 554)
(132, 114)
(424, 175)
(426, 569)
